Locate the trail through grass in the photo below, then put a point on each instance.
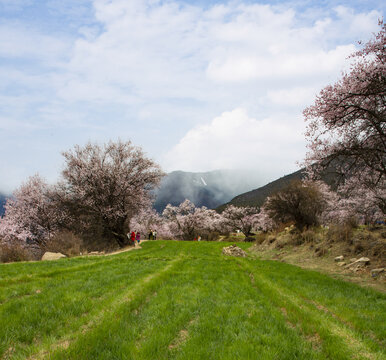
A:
(184, 300)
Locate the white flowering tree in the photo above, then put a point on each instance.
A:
(240, 218)
(108, 184)
(30, 214)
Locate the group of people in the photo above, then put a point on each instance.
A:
(134, 236)
(153, 235)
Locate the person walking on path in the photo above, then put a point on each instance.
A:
(155, 235)
(138, 237)
(150, 235)
(132, 237)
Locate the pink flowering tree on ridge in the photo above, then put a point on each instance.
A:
(347, 123)
(30, 215)
(347, 129)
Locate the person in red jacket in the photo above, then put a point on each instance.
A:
(132, 237)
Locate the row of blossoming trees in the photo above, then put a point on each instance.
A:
(106, 190)
(101, 189)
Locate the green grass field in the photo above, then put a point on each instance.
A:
(184, 300)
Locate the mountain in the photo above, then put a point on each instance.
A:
(257, 197)
(3, 199)
(209, 189)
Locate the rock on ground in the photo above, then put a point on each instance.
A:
(358, 264)
(376, 272)
(234, 250)
(52, 256)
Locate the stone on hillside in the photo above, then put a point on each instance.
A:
(341, 263)
(363, 260)
(357, 264)
(234, 250)
(53, 256)
(339, 258)
(376, 272)
(353, 260)
(93, 253)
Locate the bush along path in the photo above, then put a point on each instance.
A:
(185, 300)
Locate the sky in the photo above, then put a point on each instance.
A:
(199, 85)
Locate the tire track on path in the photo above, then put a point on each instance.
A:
(99, 261)
(330, 328)
(140, 290)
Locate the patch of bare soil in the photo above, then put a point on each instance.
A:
(182, 336)
(125, 249)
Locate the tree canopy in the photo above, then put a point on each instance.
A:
(347, 123)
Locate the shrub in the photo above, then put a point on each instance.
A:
(12, 253)
(321, 251)
(340, 233)
(281, 242)
(310, 236)
(299, 202)
(260, 237)
(66, 243)
(271, 238)
(212, 236)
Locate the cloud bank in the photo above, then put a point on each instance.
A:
(199, 86)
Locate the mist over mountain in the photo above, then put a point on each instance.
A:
(257, 196)
(209, 189)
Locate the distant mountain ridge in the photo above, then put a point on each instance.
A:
(209, 189)
(216, 189)
(3, 199)
(256, 197)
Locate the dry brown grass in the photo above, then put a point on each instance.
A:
(65, 242)
(315, 249)
(12, 253)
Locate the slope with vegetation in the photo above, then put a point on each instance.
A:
(332, 250)
(184, 300)
(257, 196)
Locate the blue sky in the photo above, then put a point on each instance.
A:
(199, 85)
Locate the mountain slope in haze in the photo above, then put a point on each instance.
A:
(3, 199)
(257, 197)
(209, 189)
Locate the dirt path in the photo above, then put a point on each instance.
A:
(127, 248)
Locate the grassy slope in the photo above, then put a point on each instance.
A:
(184, 300)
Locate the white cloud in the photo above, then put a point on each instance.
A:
(160, 70)
(21, 42)
(235, 140)
(296, 96)
(159, 50)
